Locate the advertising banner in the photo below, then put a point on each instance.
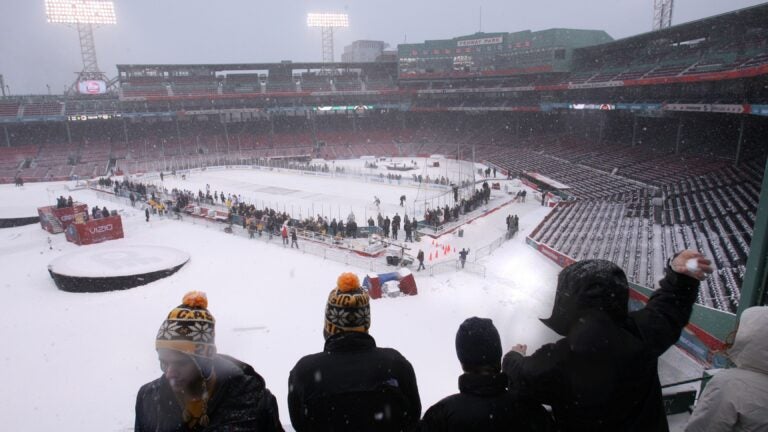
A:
(95, 230)
(56, 220)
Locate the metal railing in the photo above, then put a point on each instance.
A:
(309, 242)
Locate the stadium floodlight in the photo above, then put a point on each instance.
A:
(84, 14)
(80, 12)
(327, 22)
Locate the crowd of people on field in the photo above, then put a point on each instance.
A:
(438, 216)
(600, 376)
(513, 225)
(62, 202)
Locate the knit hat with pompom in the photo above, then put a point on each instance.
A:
(348, 308)
(189, 328)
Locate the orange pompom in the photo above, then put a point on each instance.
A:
(348, 282)
(195, 299)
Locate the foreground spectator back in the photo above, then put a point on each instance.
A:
(201, 390)
(602, 376)
(484, 403)
(352, 385)
(736, 400)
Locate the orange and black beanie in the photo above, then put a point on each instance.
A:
(189, 328)
(348, 308)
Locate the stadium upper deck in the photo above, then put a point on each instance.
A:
(713, 61)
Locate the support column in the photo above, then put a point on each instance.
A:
(7, 136)
(634, 130)
(740, 142)
(753, 288)
(226, 135)
(69, 134)
(178, 134)
(125, 130)
(679, 135)
(601, 132)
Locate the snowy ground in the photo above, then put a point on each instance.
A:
(75, 361)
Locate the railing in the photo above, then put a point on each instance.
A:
(488, 249)
(308, 245)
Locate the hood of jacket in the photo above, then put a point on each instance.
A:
(588, 286)
(750, 348)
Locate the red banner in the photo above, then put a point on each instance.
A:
(96, 230)
(560, 259)
(56, 220)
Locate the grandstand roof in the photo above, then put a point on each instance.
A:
(257, 66)
(731, 22)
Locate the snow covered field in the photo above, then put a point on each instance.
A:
(76, 361)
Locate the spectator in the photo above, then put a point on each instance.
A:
(463, 256)
(601, 376)
(352, 385)
(200, 389)
(146, 213)
(420, 257)
(737, 399)
(484, 403)
(294, 239)
(284, 235)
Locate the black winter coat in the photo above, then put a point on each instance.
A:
(353, 386)
(603, 375)
(240, 402)
(485, 404)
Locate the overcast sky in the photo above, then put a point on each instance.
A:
(34, 53)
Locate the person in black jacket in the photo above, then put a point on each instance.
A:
(201, 390)
(352, 385)
(463, 256)
(602, 376)
(484, 403)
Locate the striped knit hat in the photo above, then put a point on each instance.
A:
(189, 327)
(348, 308)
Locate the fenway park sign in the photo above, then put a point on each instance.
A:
(482, 41)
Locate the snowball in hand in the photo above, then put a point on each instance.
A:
(692, 265)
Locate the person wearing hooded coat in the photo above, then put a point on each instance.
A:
(602, 375)
(736, 399)
(485, 401)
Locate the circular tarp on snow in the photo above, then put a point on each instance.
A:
(115, 268)
(13, 216)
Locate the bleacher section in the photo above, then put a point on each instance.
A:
(9, 109)
(12, 159)
(713, 213)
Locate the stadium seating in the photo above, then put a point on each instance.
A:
(9, 109)
(709, 213)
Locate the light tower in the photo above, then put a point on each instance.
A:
(327, 22)
(84, 15)
(662, 14)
